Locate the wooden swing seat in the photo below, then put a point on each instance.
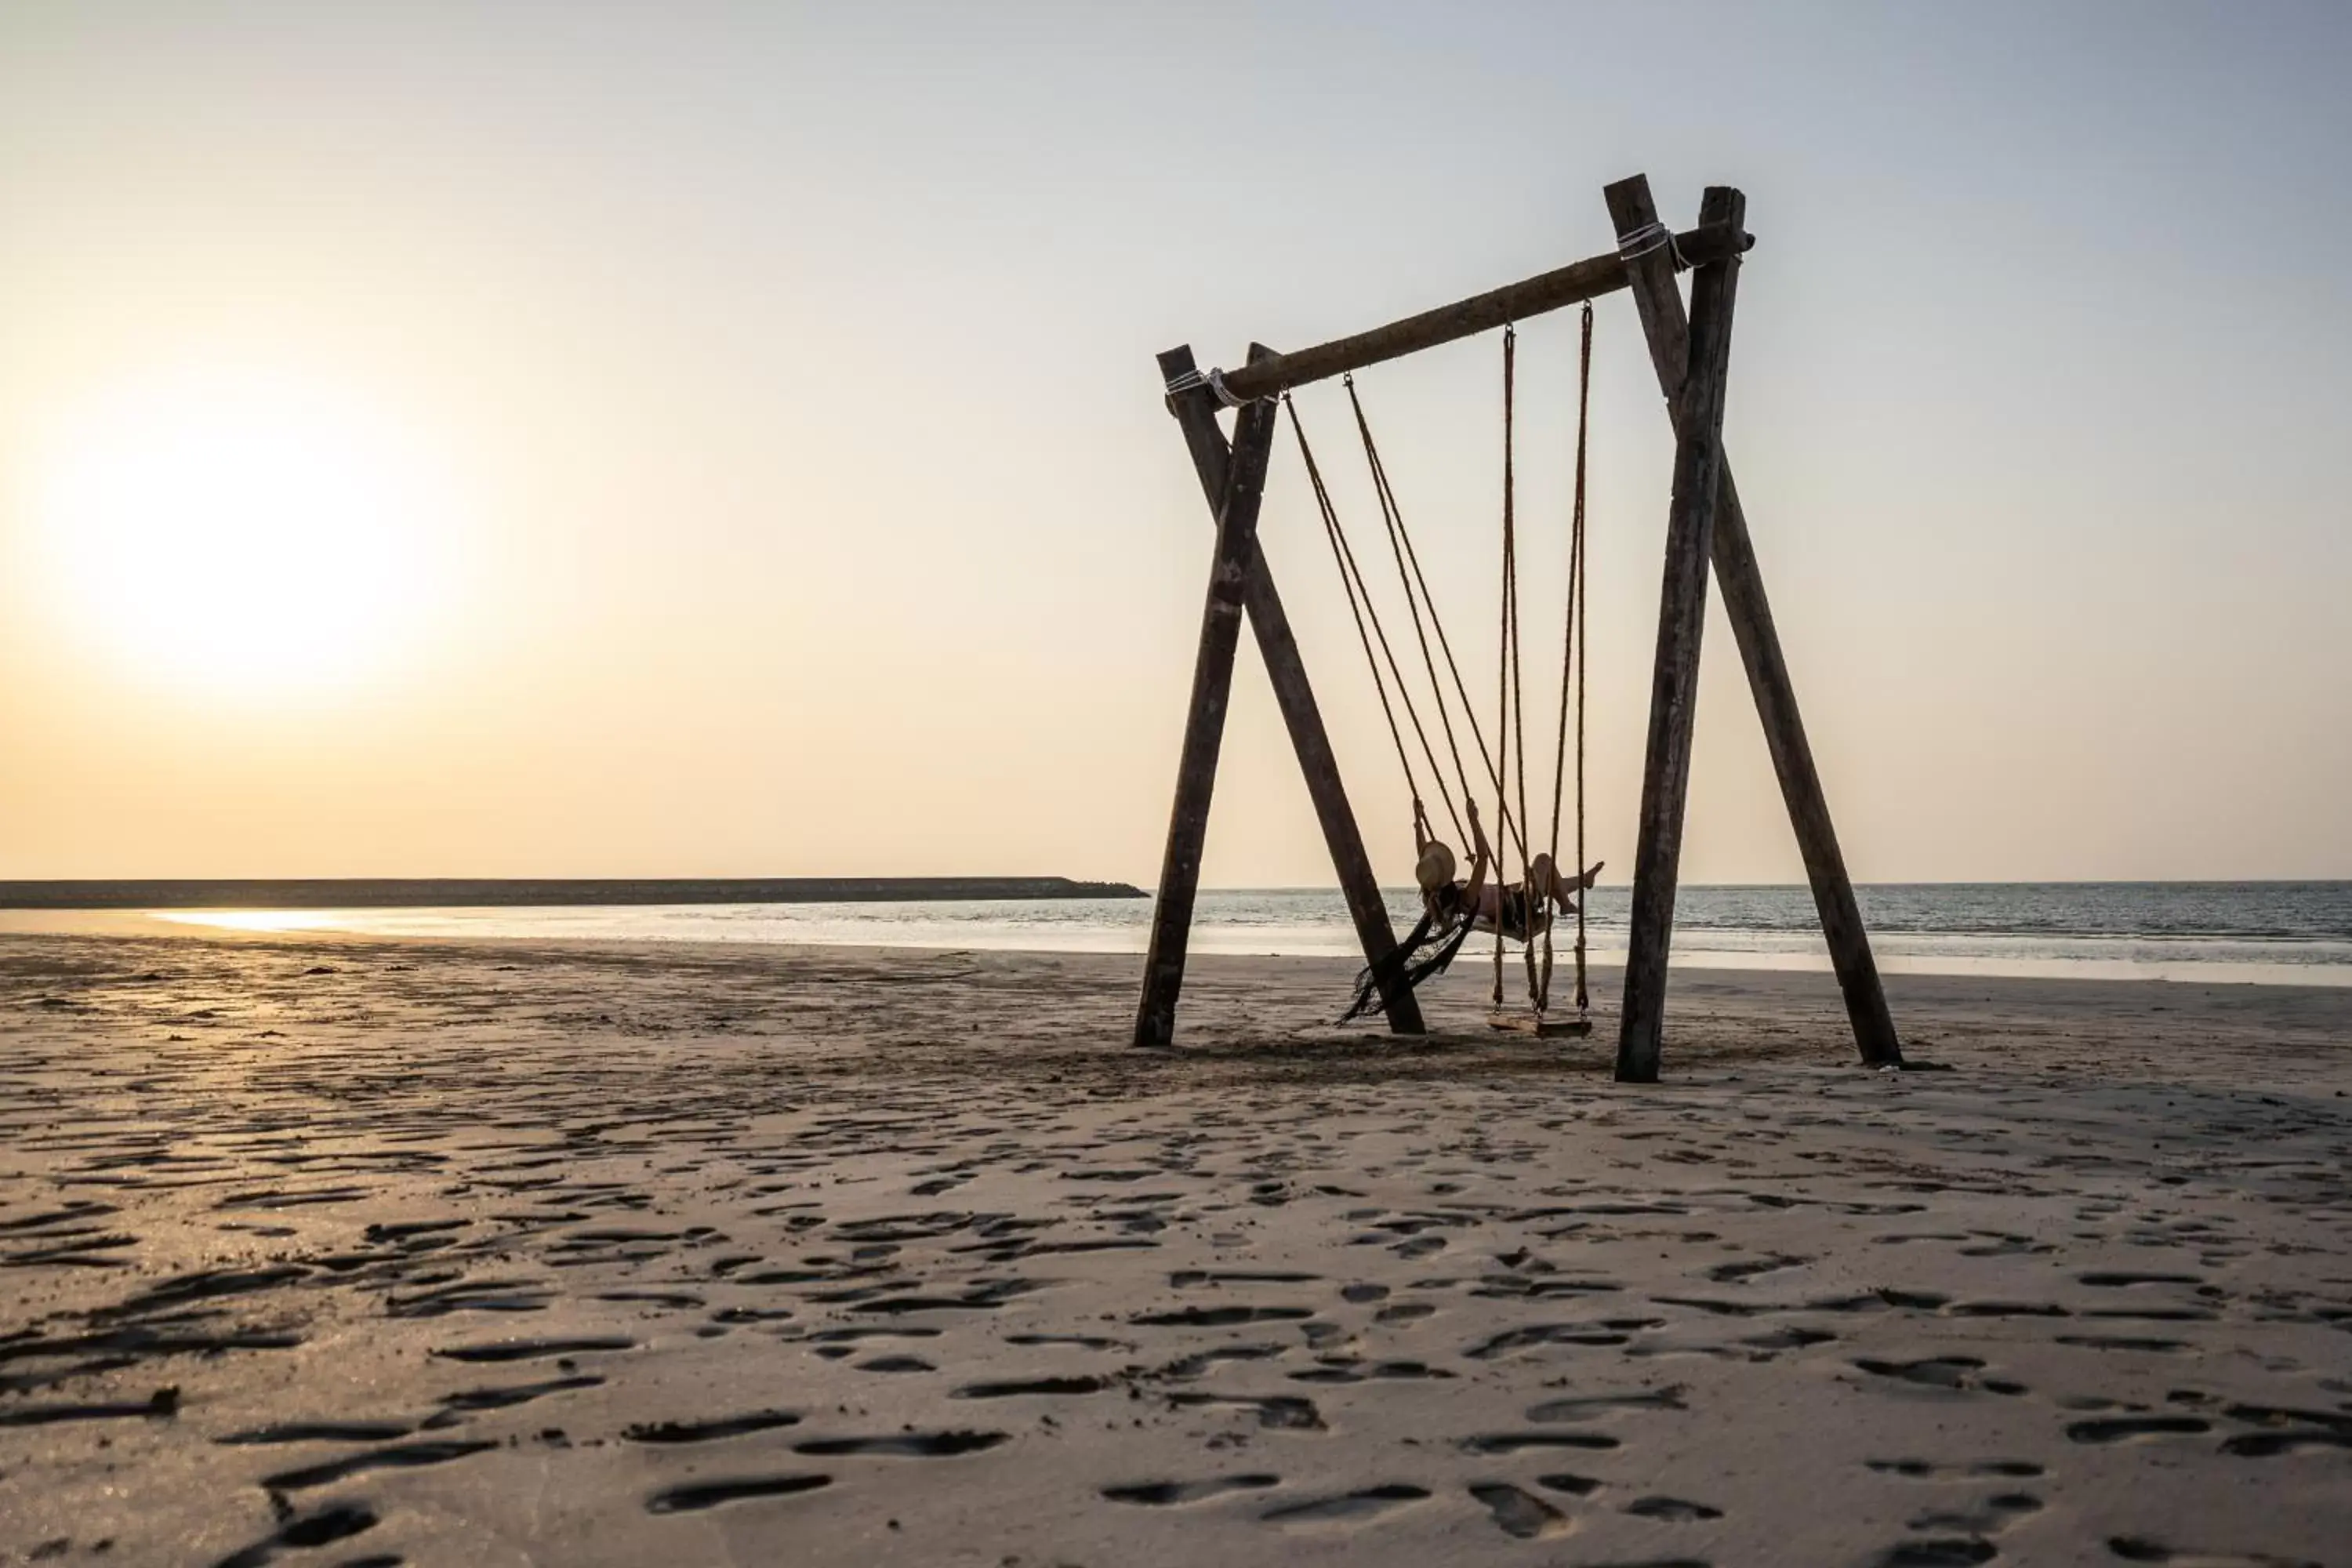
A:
(1515, 1021)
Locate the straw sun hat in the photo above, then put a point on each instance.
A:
(1434, 869)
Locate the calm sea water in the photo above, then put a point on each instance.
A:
(2261, 932)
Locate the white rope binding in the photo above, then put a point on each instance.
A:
(1651, 236)
(1214, 380)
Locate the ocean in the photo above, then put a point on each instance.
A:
(2279, 933)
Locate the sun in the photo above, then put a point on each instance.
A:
(247, 533)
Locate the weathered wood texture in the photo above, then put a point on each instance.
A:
(1660, 306)
(1196, 414)
(1682, 620)
(1205, 723)
(1570, 285)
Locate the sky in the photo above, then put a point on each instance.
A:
(707, 439)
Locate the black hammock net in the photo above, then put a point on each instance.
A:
(1430, 947)
(1426, 949)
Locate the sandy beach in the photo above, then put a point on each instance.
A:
(319, 1251)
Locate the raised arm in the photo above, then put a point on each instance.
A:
(1481, 857)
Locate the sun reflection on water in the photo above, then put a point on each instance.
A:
(259, 920)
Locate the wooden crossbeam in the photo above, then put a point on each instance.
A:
(1660, 306)
(1547, 291)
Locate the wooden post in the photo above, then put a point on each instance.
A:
(1196, 409)
(1660, 306)
(1682, 620)
(1205, 723)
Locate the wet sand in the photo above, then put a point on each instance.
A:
(353, 1251)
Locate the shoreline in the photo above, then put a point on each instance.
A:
(236, 926)
(537, 892)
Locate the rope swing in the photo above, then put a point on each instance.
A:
(1523, 907)
(1573, 662)
(1510, 720)
(1539, 876)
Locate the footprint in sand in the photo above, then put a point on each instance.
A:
(1670, 1398)
(1518, 1442)
(1347, 1506)
(320, 1432)
(1943, 1552)
(709, 1431)
(1929, 1469)
(401, 1456)
(700, 1495)
(2133, 1428)
(2140, 1549)
(2286, 1431)
(1172, 1494)
(2124, 1343)
(1747, 1269)
(1035, 1385)
(1955, 1373)
(1996, 1513)
(324, 1527)
(1673, 1510)
(1511, 1340)
(534, 1350)
(1363, 1371)
(902, 1445)
(1276, 1412)
(1220, 1317)
(1083, 1341)
(1519, 1514)
(454, 1407)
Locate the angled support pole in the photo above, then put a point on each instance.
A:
(1659, 303)
(1682, 621)
(1234, 480)
(1196, 409)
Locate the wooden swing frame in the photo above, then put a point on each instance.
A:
(1705, 524)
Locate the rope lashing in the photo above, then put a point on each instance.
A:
(1637, 243)
(1214, 380)
(1368, 629)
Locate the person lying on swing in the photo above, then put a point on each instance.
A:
(1452, 910)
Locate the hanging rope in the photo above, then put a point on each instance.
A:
(1368, 629)
(1504, 622)
(1418, 600)
(1573, 660)
(1582, 574)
